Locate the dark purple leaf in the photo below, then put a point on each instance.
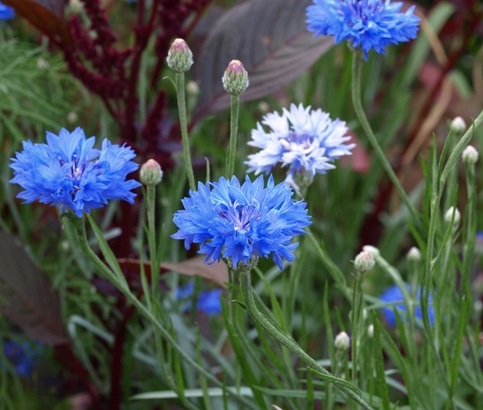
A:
(270, 38)
(55, 6)
(26, 294)
(45, 19)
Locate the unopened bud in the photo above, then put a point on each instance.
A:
(372, 250)
(364, 262)
(414, 254)
(235, 79)
(370, 331)
(42, 64)
(151, 173)
(342, 341)
(72, 117)
(448, 216)
(458, 125)
(180, 57)
(470, 155)
(192, 89)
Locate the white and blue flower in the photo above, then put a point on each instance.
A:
(305, 140)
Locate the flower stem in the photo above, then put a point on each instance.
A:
(123, 287)
(289, 343)
(150, 205)
(180, 91)
(230, 159)
(356, 100)
(357, 319)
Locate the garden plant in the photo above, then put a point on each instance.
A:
(261, 204)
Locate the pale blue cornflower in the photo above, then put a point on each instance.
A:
(370, 24)
(6, 12)
(306, 141)
(242, 222)
(69, 172)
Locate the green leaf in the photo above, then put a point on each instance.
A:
(379, 360)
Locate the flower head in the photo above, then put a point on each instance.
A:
(241, 222)
(69, 172)
(306, 141)
(6, 12)
(370, 24)
(208, 301)
(22, 355)
(393, 295)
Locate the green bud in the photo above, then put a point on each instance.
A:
(180, 57)
(364, 262)
(151, 173)
(458, 125)
(414, 254)
(235, 79)
(448, 216)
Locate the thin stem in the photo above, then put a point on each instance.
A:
(230, 159)
(288, 342)
(357, 318)
(356, 100)
(180, 91)
(150, 205)
(123, 287)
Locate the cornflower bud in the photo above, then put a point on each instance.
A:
(235, 79)
(370, 331)
(180, 57)
(364, 262)
(151, 173)
(372, 250)
(470, 155)
(458, 125)
(192, 89)
(342, 341)
(414, 254)
(448, 216)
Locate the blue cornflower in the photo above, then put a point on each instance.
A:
(208, 301)
(243, 222)
(366, 23)
(22, 355)
(69, 172)
(6, 12)
(393, 294)
(307, 141)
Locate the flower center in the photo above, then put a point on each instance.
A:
(361, 9)
(303, 140)
(241, 215)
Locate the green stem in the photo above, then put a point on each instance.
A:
(180, 91)
(123, 287)
(333, 269)
(230, 159)
(357, 319)
(356, 100)
(150, 205)
(289, 343)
